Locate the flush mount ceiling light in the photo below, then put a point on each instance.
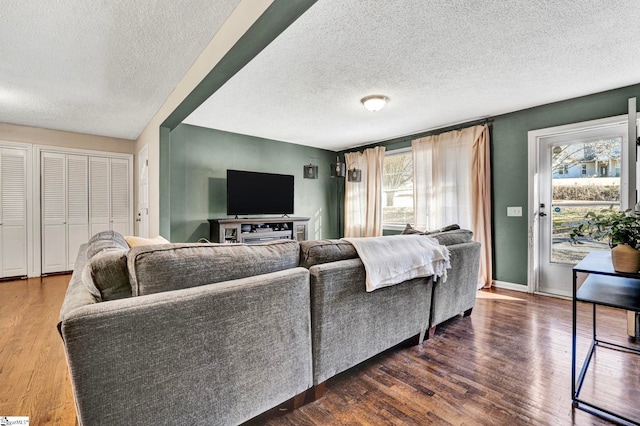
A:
(374, 103)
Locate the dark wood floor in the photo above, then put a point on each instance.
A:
(507, 364)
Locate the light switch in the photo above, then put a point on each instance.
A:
(514, 211)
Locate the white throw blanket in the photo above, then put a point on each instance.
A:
(396, 258)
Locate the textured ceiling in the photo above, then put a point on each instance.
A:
(105, 68)
(440, 62)
(99, 67)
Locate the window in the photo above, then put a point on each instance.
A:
(584, 170)
(397, 189)
(564, 170)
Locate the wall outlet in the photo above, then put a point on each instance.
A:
(514, 211)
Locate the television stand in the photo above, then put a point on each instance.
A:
(258, 230)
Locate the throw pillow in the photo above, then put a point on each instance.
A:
(106, 276)
(134, 241)
(448, 228)
(408, 230)
(447, 236)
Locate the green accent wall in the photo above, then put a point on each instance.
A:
(199, 159)
(509, 165)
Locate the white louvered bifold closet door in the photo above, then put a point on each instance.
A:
(81, 196)
(13, 212)
(54, 229)
(77, 205)
(99, 205)
(119, 190)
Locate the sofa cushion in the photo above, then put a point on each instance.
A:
(106, 275)
(447, 236)
(325, 251)
(105, 240)
(166, 267)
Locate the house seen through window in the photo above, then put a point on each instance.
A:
(397, 187)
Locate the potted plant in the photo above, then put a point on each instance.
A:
(621, 229)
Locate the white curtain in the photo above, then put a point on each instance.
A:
(363, 200)
(451, 173)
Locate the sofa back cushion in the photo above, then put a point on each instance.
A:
(325, 251)
(166, 267)
(106, 275)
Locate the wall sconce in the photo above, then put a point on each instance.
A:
(374, 103)
(354, 175)
(338, 169)
(310, 171)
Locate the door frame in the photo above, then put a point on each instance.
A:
(143, 192)
(534, 147)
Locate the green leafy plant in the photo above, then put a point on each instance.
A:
(619, 227)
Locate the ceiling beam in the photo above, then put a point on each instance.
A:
(270, 25)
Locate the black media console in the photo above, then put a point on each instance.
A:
(258, 230)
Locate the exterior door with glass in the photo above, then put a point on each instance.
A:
(579, 171)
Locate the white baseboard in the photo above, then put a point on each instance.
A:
(511, 286)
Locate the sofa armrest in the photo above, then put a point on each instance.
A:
(214, 354)
(77, 293)
(458, 293)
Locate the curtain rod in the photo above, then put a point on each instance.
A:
(459, 126)
(440, 130)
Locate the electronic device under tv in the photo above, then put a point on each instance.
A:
(259, 193)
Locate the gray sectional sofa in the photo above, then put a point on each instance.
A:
(349, 325)
(182, 349)
(215, 334)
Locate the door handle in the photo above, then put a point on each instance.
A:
(542, 214)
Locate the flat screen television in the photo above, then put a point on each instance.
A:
(259, 193)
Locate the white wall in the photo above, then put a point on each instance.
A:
(39, 136)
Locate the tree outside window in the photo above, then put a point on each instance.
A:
(397, 187)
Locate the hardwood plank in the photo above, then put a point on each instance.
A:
(33, 368)
(507, 363)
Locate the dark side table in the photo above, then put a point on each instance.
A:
(604, 287)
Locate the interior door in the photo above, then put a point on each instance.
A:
(54, 235)
(13, 212)
(99, 206)
(77, 171)
(120, 220)
(579, 171)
